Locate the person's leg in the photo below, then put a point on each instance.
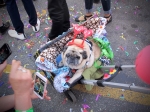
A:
(56, 13)
(30, 9)
(14, 15)
(66, 22)
(107, 9)
(16, 20)
(88, 8)
(106, 6)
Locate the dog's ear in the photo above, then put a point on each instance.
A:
(65, 48)
(84, 54)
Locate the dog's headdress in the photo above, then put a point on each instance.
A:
(78, 30)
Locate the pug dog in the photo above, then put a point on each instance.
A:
(80, 58)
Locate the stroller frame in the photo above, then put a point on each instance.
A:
(102, 83)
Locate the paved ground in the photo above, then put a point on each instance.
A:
(131, 19)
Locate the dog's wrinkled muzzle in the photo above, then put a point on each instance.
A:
(71, 60)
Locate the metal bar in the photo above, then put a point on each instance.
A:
(89, 82)
(117, 85)
(128, 66)
(140, 89)
(130, 87)
(122, 66)
(107, 68)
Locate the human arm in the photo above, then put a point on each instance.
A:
(6, 103)
(10, 101)
(21, 82)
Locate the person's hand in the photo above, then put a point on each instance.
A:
(20, 79)
(34, 96)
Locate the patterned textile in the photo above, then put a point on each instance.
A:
(93, 23)
(51, 53)
(47, 59)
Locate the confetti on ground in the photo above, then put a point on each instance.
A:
(64, 101)
(122, 97)
(42, 14)
(135, 42)
(121, 48)
(1, 37)
(108, 95)
(122, 36)
(84, 110)
(97, 97)
(12, 44)
(123, 90)
(70, 109)
(1, 83)
(85, 106)
(9, 86)
(29, 55)
(29, 45)
(117, 27)
(127, 54)
(15, 57)
(137, 48)
(25, 65)
(81, 110)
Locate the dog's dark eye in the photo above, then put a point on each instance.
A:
(84, 54)
(68, 55)
(78, 57)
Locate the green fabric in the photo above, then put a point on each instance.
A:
(96, 64)
(105, 49)
(29, 110)
(92, 73)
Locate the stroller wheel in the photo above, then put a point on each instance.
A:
(70, 95)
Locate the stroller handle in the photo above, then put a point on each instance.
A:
(130, 87)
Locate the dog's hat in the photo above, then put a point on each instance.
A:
(77, 30)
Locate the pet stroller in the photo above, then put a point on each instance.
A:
(97, 24)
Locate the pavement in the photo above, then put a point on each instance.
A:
(131, 20)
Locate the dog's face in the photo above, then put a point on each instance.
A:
(74, 56)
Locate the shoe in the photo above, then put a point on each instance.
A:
(109, 19)
(2, 4)
(37, 27)
(82, 18)
(4, 28)
(14, 34)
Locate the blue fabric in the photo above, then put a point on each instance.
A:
(61, 70)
